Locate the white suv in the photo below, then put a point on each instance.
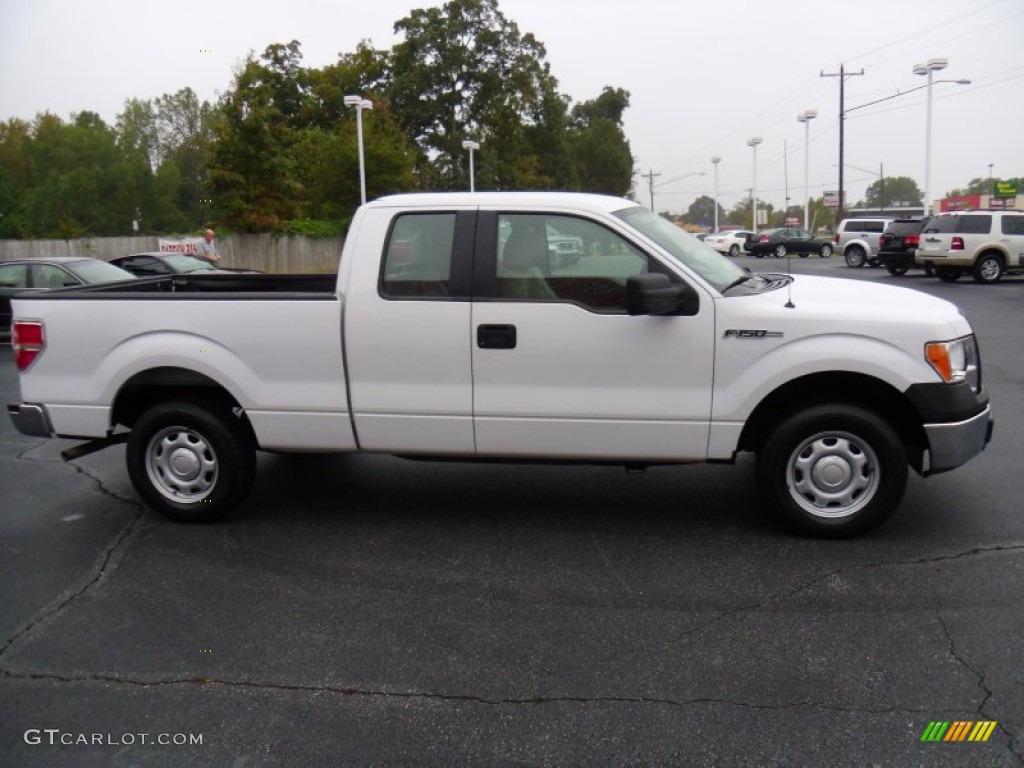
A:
(988, 244)
(857, 240)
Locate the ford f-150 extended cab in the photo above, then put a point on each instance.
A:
(452, 332)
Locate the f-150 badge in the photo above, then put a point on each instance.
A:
(748, 333)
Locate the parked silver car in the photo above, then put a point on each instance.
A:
(858, 240)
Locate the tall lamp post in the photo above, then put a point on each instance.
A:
(753, 142)
(715, 161)
(472, 146)
(932, 65)
(360, 104)
(805, 117)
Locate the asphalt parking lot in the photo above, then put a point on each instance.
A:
(364, 610)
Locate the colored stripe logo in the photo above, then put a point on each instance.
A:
(959, 730)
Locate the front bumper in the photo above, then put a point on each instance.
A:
(30, 419)
(953, 444)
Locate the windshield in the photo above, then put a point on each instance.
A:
(182, 262)
(684, 248)
(98, 271)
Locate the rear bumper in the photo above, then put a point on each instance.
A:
(30, 419)
(953, 444)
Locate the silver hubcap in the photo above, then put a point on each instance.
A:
(181, 464)
(832, 475)
(990, 269)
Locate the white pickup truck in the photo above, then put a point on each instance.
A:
(455, 330)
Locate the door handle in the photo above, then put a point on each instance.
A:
(496, 336)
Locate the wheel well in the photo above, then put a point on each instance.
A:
(157, 385)
(991, 252)
(852, 388)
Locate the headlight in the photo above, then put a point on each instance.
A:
(956, 361)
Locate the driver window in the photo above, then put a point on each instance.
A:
(564, 258)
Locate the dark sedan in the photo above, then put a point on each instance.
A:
(42, 274)
(168, 263)
(780, 242)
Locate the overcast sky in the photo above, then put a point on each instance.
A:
(704, 76)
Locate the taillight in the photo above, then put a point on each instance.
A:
(836, 239)
(957, 244)
(914, 240)
(764, 239)
(27, 341)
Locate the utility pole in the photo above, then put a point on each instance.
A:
(842, 74)
(650, 176)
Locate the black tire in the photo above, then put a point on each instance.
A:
(855, 256)
(929, 270)
(734, 250)
(825, 251)
(988, 269)
(948, 274)
(850, 446)
(190, 460)
(780, 251)
(896, 270)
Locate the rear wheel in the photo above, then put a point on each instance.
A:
(780, 251)
(825, 251)
(734, 250)
(988, 268)
(832, 470)
(190, 460)
(893, 269)
(948, 274)
(855, 256)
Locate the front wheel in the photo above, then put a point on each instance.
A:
(832, 470)
(190, 461)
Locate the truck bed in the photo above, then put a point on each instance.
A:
(224, 286)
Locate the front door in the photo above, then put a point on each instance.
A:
(560, 370)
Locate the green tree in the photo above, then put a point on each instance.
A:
(702, 212)
(886, 192)
(599, 149)
(741, 212)
(465, 71)
(185, 129)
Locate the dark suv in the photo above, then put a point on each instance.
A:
(898, 245)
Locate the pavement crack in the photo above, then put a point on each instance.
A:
(540, 700)
(973, 552)
(102, 566)
(955, 653)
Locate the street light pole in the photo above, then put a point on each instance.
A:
(933, 65)
(472, 146)
(753, 142)
(716, 160)
(805, 117)
(360, 104)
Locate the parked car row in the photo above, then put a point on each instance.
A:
(986, 244)
(66, 271)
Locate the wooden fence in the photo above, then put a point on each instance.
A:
(267, 253)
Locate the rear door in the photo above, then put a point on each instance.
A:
(560, 370)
